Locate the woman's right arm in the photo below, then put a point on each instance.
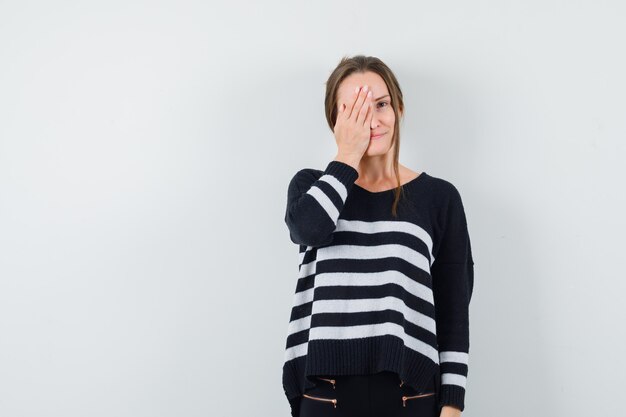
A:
(315, 201)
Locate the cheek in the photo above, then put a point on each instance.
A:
(388, 122)
(387, 117)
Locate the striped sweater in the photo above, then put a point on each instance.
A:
(376, 292)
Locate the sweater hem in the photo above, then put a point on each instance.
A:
(363, 356)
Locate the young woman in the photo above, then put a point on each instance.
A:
(380, 318)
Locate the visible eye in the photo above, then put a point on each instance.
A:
(383, 102)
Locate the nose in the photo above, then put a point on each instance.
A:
(374, 123)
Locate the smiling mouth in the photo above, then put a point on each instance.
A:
(377, 137)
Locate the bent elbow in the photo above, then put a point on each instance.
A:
(308, 235)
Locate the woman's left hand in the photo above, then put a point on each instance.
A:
(449, 411)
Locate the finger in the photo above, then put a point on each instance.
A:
(370, 115)
(363, 99)
(341, 113)
(356, 105)
(361, 117)
(366, 111)
(372, 110)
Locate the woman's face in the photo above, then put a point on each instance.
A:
(383, 117)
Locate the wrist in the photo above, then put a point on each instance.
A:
(450, 411)
(351, 160)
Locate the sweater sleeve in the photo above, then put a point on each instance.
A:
(314, 202)
(453, 281)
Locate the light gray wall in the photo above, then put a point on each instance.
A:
(145, 152)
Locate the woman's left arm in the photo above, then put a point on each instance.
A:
(453, 280)
(450, 411)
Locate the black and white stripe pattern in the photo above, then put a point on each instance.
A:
(455, 359)
(320, 194)
(315, 202)
(367, 287)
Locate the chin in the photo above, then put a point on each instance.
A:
(378, 149)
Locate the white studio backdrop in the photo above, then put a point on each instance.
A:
(145, 153)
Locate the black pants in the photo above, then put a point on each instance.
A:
(378, 395)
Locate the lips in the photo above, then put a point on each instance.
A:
(377, 136)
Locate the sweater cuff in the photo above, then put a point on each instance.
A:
(452, 395)
(345, 173)
(294, 405)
